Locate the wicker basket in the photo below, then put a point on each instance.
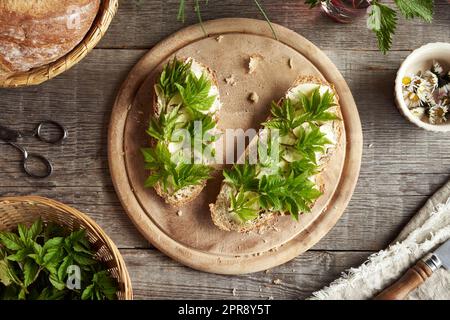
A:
(108, 9)
(26, 210)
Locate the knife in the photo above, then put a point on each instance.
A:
(417, 274)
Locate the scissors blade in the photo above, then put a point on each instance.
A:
(9, 135)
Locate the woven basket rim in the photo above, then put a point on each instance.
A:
(35, 76)
(89, 223)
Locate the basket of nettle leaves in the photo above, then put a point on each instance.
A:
(49, 251)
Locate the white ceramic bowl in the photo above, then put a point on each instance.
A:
(421, 59)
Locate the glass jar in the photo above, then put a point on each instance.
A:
(345, 11)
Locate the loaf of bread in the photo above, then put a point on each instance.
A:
(34, 33)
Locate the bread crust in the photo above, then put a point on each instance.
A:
(219, 210)
(189, 193)
(36, 33)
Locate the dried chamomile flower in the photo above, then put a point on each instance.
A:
(445, 83)
(417, 80)
(437, 69)
(445, 100)
(407, 81)
(412, 100)
(438, 114)
(419, 112)
(427, 94)
(424, 92)
(430, 80)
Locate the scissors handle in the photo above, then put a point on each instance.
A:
(27, 157)
(47, 124)
(9, 135)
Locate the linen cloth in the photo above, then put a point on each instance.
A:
(429, 228)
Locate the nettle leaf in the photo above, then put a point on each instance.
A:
(10, 240)
(35, 229)
(22, 294)
(51, 294)
(30, 272)
(34, 264)
(56, 282)
(53, 253)
(19, 256)
(418, 8)
(383, 21)
(79, 247)
(5, 276)
(105, 284)
(62, 270)
(88, 293)
(83, 259)
(23, 233)
(53, 243)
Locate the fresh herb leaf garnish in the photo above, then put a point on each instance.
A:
(195, 93)
(316, 107)
(243, 204)
(243, 176)
(182, 129)
(176, 72)
(311, 141)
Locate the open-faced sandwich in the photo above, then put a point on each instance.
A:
(182, 130)
(285, 179)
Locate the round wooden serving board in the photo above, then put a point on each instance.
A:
(192, 238)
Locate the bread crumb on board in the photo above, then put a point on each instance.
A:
(219, 38)
(231, 80)
(370, 145)
(277, 281)
(253, 97)
(234, 292)
(253, 62)
(179, 213)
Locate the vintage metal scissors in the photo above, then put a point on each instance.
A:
(12, 136)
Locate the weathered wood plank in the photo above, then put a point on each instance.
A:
(381, 202)
(154, 276)
(402, 165)
(143, 23)
(77, 100)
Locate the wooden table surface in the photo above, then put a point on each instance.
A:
(402, 165)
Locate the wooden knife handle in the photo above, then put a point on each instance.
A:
(413, 278)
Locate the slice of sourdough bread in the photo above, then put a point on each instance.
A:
(222, 216)
(189, 193)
